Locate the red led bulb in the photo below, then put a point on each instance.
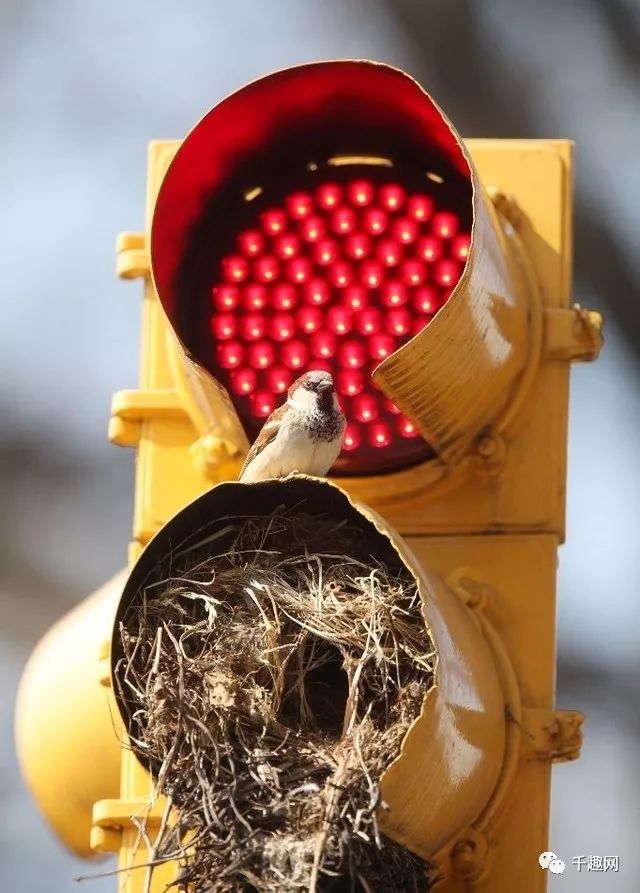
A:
(360, 193)
(294, 354)
(365, 408)
(357, 246)
(425, 299)
(352, 438)
(460, 247)
(419, 207)
(375, 221)
(284, 296)
(243, 381)
(282, 327)
(299, 205)
(273, 221)
(230, 354)
(406, 428)
(266, 269)
(251, 242)
(317, 292)
(343, 221)
(263, 403)
(261, 354)
(313, 228)
(394, 293)
(398, 322)
(389, 252)
(326, 252)
(340, 320)
(429, 248)
(323, 344)
(299, 270)
(405, 230)
(328, 196)
(310, 319)
(235, 268)
(254, 296)
(444, 224)
(253, 326)
(340, 274)
(379, 435)
(381, 346)
(279, 379)
(391, 196)
(446, 273)
(371, 273)
(368, 321)
(351, 354)
(350, 382)
(355, 297)
(225, 296)
(224, 326)
(286, 246)
(413, 271)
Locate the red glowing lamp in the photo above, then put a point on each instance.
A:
(272, 254)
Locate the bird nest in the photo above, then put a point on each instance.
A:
(270, 673)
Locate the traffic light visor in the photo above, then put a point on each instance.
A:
(321, 217)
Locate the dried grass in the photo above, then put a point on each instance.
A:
(270, 674)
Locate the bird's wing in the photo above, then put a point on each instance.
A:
(266, 436)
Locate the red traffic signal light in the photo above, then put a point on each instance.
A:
(313, 234)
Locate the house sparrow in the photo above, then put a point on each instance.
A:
(305, 434)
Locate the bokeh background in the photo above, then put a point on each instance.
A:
(83, 87)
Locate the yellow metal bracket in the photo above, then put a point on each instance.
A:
(112, 817)
(572, 333)
(554, 735)
(132, 256)
(132, 407)
(532, 734)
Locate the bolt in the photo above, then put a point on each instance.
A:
(486, 446)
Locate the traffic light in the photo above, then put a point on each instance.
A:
(328, 216)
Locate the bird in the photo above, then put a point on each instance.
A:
(304, 434)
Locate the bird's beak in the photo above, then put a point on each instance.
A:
(325, 386)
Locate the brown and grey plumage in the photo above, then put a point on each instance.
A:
(304, 434)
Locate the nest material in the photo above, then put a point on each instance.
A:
(270, 674)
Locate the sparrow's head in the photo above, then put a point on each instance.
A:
(313, 391)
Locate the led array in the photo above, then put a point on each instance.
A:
(337, 279)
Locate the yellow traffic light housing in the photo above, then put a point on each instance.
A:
(480, 503)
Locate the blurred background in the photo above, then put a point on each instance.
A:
(83, 88)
